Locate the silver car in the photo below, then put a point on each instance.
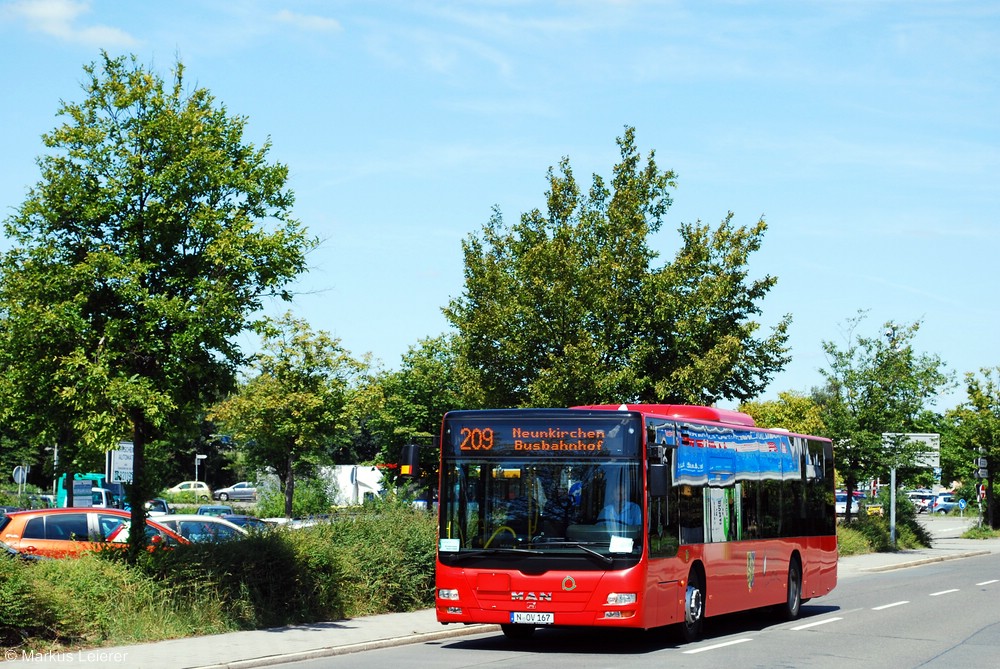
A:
(198, 529)
(241, 491)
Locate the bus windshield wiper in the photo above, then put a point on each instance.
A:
(607, 559)
(496, 551)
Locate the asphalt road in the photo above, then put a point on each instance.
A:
(936, 616)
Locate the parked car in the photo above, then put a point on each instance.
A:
(158, 507)
(73, 531)
(921, 499)
(200, 529)
(943, 504)
(11, 552)
(840, 505)
(249, 523)
(244, 490)
(214, 509)
(199, 490)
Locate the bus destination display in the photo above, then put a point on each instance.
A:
(535, 437)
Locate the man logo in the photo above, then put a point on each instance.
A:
(531, 596)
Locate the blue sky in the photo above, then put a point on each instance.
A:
(866, 133)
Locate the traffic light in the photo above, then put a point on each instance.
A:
(410, 465)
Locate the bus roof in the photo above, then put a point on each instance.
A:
(690, 412)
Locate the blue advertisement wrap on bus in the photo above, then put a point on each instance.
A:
(721, 456)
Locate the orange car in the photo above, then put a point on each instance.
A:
(60, 533)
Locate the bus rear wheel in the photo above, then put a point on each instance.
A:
(517, 632)
(694, 608)
(793, 602)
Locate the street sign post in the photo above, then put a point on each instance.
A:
(21, 477)
(928, 455)
(122, 458)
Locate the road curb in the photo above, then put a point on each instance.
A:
(331, 651)
(930, 560)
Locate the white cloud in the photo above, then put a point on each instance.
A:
(62, 19)
(308, 21)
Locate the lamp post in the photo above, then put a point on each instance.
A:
(197, 458)
(894, 347)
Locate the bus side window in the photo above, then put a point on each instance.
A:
(663, 528)
(692, 514)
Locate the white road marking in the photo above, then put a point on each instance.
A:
(889, 606)
(818, 622)
(716, 646)
(943, 592)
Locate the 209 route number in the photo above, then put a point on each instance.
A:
(476, 439)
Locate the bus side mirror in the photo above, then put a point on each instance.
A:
(658, 480)
(410, 461)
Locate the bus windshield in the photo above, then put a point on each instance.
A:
(542, 485)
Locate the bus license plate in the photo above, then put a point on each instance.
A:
(532, 618)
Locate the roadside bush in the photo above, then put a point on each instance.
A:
(312, 497)
(365, 561)
(850, 541)
(384, 557)
(255, 582)
(91, 601)
(22, 614)
(370, 560)
(980, 531)
(868, 534)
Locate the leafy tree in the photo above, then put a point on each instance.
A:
(288, 415)
(407, 405)
(876, 385)
(978, 421)
(154, 233)
(791, 411)
(567, 306)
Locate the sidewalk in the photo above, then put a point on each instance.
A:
(243, 650)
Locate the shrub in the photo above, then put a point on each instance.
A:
(311, 497)
(850, 541)
(868, 534)
(384, 557)
(255, 581)
(373, 560)
(23, 614)
(981, 531)
(366, 561)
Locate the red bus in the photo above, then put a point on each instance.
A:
(639, 516)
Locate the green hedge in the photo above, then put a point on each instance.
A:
(374, 560)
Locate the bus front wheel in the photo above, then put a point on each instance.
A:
(694, 607)
(517, 632)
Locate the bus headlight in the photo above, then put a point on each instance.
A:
(450, 594)
(621, 598)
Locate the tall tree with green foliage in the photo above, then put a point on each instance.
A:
(791, 411)
(432, 379)
(978, 427)
(288, 416)
(151, 239)
(876, 385)
(568, 306)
